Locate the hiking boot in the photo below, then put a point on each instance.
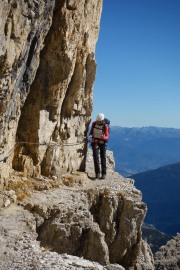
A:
(103, 176)
(98, 175)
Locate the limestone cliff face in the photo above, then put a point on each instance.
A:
(47, 71)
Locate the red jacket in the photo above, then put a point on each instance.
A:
(105, 136)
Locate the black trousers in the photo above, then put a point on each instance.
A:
(100, 149)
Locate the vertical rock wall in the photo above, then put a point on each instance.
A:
(23, 27)
(47, 71)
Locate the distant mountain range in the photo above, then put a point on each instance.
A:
(141, 149)
(161, 191)
(154, 237)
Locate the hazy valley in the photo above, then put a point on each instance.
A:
(140, 149)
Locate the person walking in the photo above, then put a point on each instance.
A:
(100, 134)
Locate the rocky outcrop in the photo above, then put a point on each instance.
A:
(47, 71)
(19, 248)
(77, 226)
(168, 256)
(99, 220)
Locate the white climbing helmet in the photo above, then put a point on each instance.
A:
(100, 117)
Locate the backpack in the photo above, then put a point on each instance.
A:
(107, 122)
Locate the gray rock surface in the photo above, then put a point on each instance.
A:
(19, 248)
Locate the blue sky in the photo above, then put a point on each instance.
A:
(138, 63)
